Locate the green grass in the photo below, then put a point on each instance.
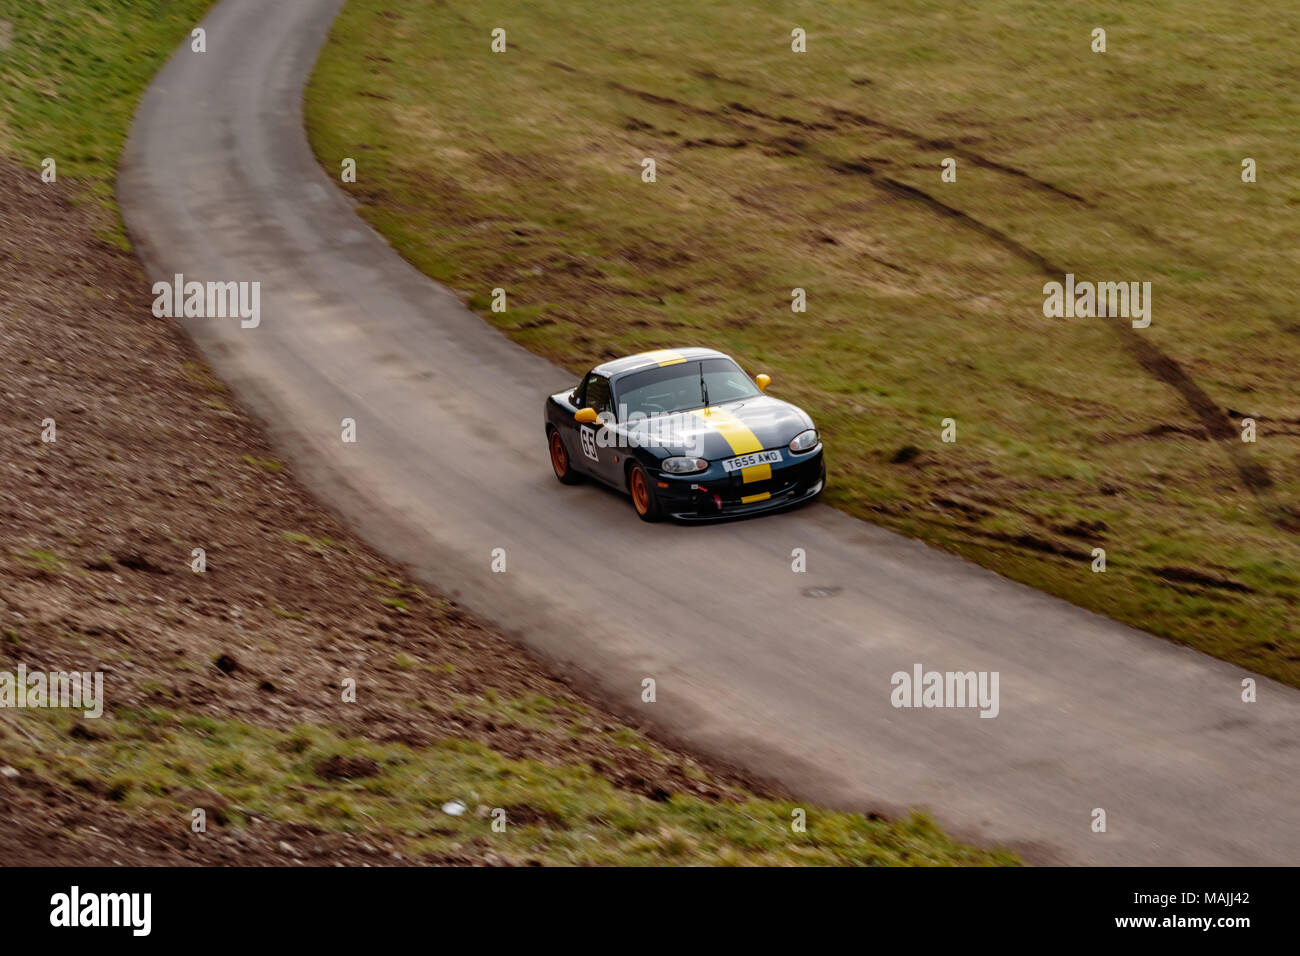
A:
(822, 171)
(41, 559)
(563, 814)
(71, 77)
(265, 464)
(202, 376)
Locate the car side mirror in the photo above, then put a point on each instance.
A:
(587, 416)
(762, 380)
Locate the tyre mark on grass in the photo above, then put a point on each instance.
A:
(980, 160)
(918, 138)
(894, 187)
(1149, 356)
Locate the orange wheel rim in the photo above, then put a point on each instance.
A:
(640, 495)
(558, 461)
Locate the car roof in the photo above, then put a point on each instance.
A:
(644, 360)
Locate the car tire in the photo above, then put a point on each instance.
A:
(560, 459)
(644, 499)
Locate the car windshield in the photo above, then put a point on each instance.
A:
(677, 388)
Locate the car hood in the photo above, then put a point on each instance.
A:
(722, 431)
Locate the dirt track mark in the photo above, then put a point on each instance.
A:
(703, 72)
(1149, 356)
(902, 132)
(838, 113)
(971, 156)
(669, 102)
(893, 186)
(978, 159)
(920, 139)
(1201, 579)
(784, 120)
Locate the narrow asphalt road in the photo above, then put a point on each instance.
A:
(218, 183)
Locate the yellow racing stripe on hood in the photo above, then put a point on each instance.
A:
(739, 437)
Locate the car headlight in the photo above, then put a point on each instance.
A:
(684, 466)
(804, 441)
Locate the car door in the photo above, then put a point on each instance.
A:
(599, 457)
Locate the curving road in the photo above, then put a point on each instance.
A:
(218, 183)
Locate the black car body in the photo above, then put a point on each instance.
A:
(687, 434)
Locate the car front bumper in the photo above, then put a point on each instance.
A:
(714, 493)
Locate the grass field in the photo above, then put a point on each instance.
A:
(578, 786)
(72, 73)
(821, 170)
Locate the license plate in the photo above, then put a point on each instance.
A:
(746, 461)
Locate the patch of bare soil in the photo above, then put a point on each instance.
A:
(152, 459)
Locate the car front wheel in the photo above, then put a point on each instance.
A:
(644, 499)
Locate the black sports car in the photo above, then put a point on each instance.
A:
(686, 433)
